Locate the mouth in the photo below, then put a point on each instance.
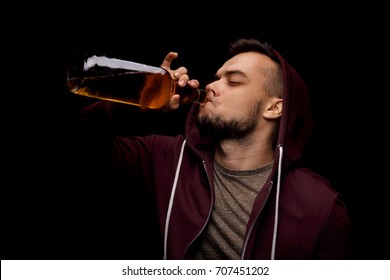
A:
(204, 97)
(208, 101)
(209, 97)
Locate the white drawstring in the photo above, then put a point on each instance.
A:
(277, 203)
(171, 200)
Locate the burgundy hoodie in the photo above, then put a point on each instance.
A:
(296, 215)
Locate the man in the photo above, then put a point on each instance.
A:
(233, 186)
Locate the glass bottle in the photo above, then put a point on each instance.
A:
(126, 82)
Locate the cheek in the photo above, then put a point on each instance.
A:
(237, 103)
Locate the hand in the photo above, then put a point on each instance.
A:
(180, 75)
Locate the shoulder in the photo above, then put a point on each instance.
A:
(312, 193)
(309, 187)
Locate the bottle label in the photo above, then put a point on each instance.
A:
(115, 63)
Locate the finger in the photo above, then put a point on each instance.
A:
(183, 79)
(174, 102)
(166, 64)
(193, 83)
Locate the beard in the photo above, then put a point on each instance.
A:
(234, 128)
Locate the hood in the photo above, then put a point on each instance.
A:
(296, 124)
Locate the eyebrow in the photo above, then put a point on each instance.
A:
(231, 73)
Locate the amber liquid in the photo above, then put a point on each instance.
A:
(147, 90)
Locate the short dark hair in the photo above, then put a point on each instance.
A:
(252, 45)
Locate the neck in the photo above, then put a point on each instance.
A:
(244, 154)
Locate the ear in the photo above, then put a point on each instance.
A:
(273, 108)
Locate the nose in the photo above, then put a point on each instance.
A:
(211, 88)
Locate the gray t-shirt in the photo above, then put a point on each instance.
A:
(235, 192)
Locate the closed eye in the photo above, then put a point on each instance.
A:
(234, 83)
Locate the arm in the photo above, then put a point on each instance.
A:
(334, 242)
(91, 196)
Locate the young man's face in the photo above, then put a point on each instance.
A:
(236, 102)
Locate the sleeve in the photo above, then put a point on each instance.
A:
(335, 239)
(84, 143)
(94, 199)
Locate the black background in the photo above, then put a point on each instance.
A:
(49, 214)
